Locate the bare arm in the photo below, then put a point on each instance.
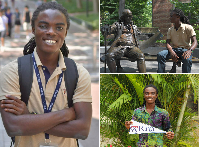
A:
(24, 14)
(78, 128)
(188, 53)
(6, 28)
(168, 46)
(30, 124)
(172, 53)
(194, 42)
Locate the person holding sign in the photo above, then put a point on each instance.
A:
(151, 114)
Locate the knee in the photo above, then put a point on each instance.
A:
(187, 61)
(140, 56)
(160, 55)
(110, 56)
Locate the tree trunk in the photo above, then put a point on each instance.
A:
(180, 118)
(78, 4)
(121, 7)
(95, 6)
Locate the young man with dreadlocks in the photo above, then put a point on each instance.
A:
(180, 35)
(35, 125)
(151, 113)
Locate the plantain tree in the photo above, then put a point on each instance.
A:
(121, 94)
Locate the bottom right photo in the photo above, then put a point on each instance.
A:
(149, 110)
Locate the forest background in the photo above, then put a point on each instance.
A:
(121, 94)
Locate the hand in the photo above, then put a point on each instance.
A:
(127, 124)
(187, 54)
(170, 135)
(14, 105)
(174, 56)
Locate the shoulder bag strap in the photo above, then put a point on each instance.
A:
(25, 71)
(71, 80)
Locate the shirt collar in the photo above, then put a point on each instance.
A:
(144, 108)
(181, 26)
(61, 61)
(156, 108)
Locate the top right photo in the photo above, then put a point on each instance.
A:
(149, 36)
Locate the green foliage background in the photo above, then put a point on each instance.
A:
(141, 10)
(121, 94)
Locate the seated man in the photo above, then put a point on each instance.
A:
(180, 35)
(125, 43)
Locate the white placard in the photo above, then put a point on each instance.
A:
(138, 128)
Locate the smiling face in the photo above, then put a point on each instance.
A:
(50, 30)
(150, 95)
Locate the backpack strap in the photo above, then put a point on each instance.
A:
(25, 72)
(71, 79)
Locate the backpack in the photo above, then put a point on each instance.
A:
(25, 72)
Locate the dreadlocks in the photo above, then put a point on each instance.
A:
(30, 46)
(184, 19)
(157, 102)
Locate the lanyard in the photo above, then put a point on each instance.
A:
(46, 110)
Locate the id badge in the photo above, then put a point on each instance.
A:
(48, 143)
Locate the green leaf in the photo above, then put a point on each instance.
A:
(121, 100)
